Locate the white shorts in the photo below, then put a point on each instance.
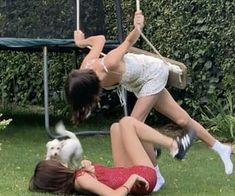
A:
(144, 75)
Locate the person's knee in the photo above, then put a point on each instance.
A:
(127, 123)
(114, 128)
(183, 121)
(126, 120)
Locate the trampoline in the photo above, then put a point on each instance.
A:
(48, 26)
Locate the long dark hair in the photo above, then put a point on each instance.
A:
(82, 91)
(52, 176)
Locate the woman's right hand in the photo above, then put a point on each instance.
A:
(139, 19)
(78, 38)
(140, 181)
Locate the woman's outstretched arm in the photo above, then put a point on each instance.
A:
(114, 57)
(89, 183)
(96, 44)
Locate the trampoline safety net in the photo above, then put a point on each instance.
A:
(53, 19)
(37, 24)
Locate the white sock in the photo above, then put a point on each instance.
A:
(224, 152)
(160, 180)
(174, 152)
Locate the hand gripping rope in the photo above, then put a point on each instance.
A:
(78, 23)
(173, 68)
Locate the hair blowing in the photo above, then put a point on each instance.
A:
(82, 92)
(51, 176)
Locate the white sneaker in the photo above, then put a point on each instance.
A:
(160, 180)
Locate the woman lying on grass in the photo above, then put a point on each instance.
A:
(133, 171)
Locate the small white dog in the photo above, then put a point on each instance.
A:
(68, 151)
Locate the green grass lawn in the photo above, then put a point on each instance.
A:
(22, 145)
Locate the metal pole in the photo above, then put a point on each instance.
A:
(2, 96)
(119, 20)
(120, 39)
(45, 78)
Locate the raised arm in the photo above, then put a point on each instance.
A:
(96, 44)
(115, 56)
(89, 183)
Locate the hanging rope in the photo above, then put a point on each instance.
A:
(174, 68)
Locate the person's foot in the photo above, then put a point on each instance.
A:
(226, 158)
(160, 180)
(224, 152)
(184, 143)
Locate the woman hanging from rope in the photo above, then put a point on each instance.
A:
(143, 75)
(133, 171)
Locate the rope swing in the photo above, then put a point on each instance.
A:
(174, 68)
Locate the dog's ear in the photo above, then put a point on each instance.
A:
(48, 144)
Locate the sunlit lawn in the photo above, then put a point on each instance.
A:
(22, 145)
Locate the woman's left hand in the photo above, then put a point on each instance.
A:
(79, 38)
(87, 165)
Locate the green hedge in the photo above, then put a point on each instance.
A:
(199, 33)
(22, 77)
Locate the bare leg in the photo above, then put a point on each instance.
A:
(167, 106)
(140, 111)
(133, 132)
(119, 154)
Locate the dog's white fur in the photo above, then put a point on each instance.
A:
(68, 151)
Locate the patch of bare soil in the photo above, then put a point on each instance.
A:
(172, 130)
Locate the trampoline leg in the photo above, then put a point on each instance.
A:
(45, 78)
(119, 20)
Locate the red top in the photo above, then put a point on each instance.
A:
(114, 177)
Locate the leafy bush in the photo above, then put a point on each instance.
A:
(4, 123)
(199, 33)
(21, 77)
(220, 120)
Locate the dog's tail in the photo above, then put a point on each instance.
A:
(61, 130)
